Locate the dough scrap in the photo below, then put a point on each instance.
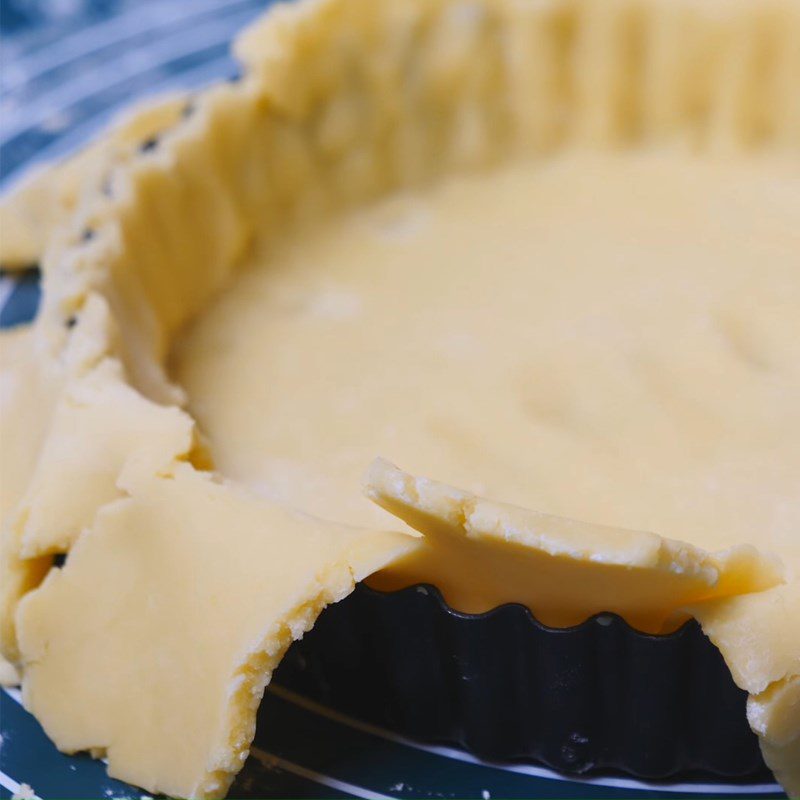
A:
(580, 568)
(46, 199)
(759, 634)
(155, 641)
(68, 428)
(99, 425)
(26, 400)
(8, 673)
(759, 637)
(27, 394)
(775, 716)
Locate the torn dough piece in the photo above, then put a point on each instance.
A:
(27, 394)
(560, 568)
(99, 425)
(8, 673)
(155, 641)
(48, 197)
(31, 384)
(775, 716)
(759, 636)
(26, 400)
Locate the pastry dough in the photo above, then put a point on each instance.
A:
(344, 101)
(166, 623)
(26, 398)
(30, 217)
(99, 424)
(775, 716)
(580, 568)
(646, 381)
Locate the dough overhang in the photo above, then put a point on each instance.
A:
(738, 595)
(181, 599)
(580, 568)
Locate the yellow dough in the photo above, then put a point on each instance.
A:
(611, 339)
(47, 198)
(546, 252)
(99, 425)
(181, 599)
(580, 568)
(775, 716)
(25, 405)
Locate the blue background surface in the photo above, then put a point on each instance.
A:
(65, 67)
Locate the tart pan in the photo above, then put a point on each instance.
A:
(503, 686)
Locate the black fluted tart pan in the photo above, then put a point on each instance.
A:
(596, 697)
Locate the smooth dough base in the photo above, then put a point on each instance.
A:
(612, 339)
